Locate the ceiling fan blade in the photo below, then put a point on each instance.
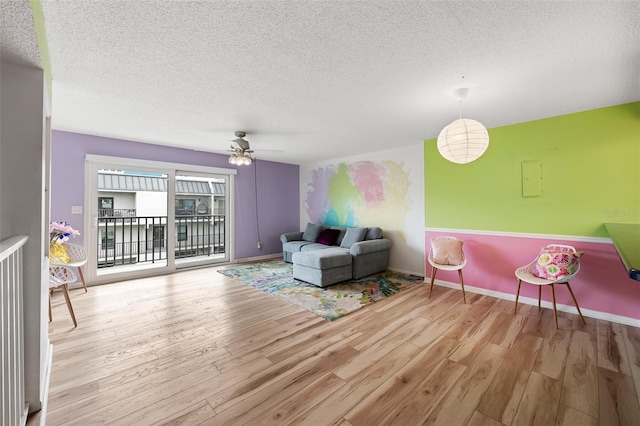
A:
(243, 144)
(269, 150)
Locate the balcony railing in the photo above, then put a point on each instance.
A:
(182, 211)
(144, 239)
(116, 212)
(199, 236)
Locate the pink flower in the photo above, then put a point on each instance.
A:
(59, 232)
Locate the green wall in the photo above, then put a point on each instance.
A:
(590, 164)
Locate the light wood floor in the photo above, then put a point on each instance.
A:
(197, 347)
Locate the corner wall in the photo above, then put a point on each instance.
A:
(382, 189)
(590, 168)
(22, 200)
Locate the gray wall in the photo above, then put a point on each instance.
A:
(22, 206)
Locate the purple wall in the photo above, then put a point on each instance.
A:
(277, 183)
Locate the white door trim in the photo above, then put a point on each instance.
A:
(93, 163)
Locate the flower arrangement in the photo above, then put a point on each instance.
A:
(60, 232)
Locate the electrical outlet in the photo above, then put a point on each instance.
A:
(259, 245)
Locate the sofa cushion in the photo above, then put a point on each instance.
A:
(314, 246)
(374, 233)
(328, 237)
(323, 259)
(294, 246)
(352, 236)
(311, 232)
(322, 277)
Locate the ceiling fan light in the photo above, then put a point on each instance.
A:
(239, 159)
(463, 141)
(240, 154)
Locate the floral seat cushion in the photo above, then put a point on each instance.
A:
(554, 264)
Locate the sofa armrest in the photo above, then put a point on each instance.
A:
(370, 246)
(291, 236)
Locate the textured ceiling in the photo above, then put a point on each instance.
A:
(18, 43)
(318, 80)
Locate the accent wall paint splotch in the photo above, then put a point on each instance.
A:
(359, 194)
(384, 188)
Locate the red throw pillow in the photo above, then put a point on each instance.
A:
(328, 237)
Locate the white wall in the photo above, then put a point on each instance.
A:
(121, 200)
(401, 218)
(22, 206)
(151, 203)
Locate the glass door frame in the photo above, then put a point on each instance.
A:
(228, 223)
(94, 163)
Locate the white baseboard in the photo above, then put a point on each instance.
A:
(276, 256)
(534, 302)
(403, 271)
(41, 415)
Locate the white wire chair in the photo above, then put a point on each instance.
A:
(61, 276)
(525, 273)
(77, 258)
(435, 266)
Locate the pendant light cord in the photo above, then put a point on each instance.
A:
(460, 94)
(255, 176)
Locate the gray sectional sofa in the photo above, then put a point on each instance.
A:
(325, 255)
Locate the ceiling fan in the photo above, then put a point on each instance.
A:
(241, 152)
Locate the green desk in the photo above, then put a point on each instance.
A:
(626, 238)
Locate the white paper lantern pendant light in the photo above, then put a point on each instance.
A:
(463, 140)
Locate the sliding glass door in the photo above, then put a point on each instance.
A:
(150, 218)
(200, 231)
(131, 219)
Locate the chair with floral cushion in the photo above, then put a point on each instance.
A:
(556, 264)
(446, 254)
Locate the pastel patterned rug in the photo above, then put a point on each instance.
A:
(276, 278)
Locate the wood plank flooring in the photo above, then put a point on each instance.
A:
(199, 348)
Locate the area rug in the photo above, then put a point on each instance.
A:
(276, 278)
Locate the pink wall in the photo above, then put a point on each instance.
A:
(602, 284)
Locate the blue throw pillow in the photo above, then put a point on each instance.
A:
(374, 233)
(312, 232)
(352, 236)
